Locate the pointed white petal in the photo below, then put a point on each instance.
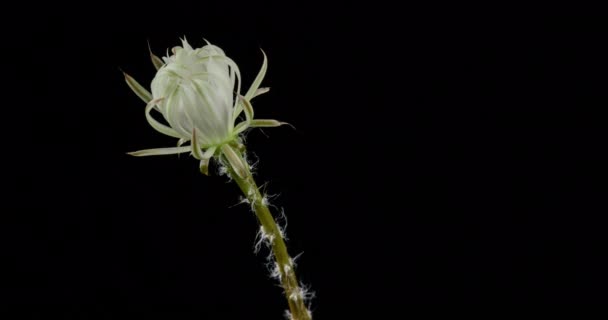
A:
(233, 66)
(237, 111)
(185, 44)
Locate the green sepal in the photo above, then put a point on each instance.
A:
(236, 162)
(265, 123)
(260, 91)
(258, 79)
(196, 150)
(248, 108)
(159, 151)
(204, 164)
(140, 91)
(157, 125)
(156, 61)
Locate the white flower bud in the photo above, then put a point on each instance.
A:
(197, 88)
(198, 93)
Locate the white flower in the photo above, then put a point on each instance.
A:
(197, 91)
(194, 90)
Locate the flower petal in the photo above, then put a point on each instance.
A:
(159, 151)
(237, 111)
(157, 125)
(140, 91)
(258, 79)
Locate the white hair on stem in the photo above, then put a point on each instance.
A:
(288, 315)
(262, 237)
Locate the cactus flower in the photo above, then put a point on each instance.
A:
(197, 92)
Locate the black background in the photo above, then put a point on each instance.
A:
(441, 158)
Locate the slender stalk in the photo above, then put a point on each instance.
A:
(271, 231)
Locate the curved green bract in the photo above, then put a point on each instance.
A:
(157, 125)
(258, 79)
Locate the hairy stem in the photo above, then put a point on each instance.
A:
(272, 233)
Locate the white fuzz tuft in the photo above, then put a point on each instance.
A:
(262, 238)
(295, 295)
(254, 164)
(259, 239)
(288, 315)
(275, 272)
(267, 198)
(286, 268)
(282, 233)
(301, 293)
(222, 170)
(305, 293)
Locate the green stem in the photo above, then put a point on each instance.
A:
(271, 231)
